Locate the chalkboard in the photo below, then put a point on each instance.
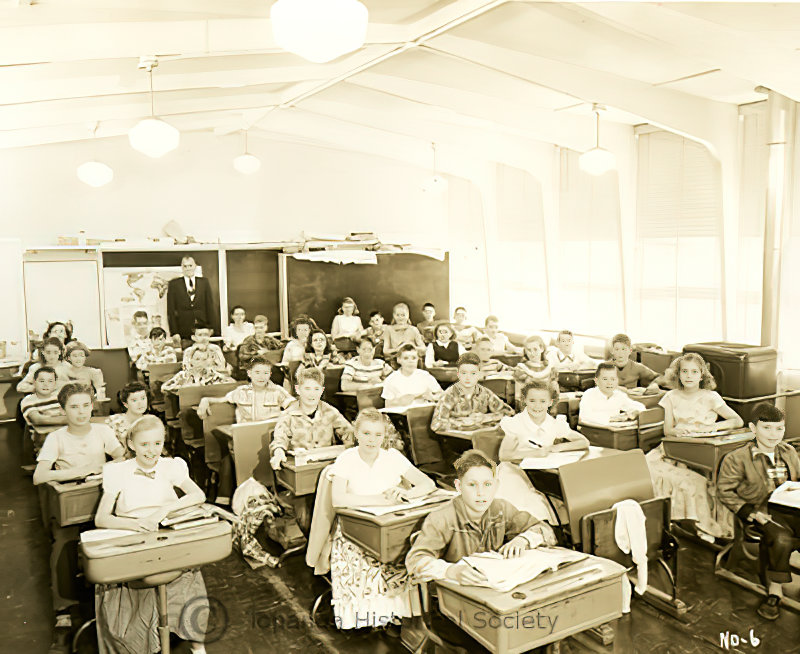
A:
(253, 283)
(207, 259)
(316, 288)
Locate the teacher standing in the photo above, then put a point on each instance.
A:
(189, 301)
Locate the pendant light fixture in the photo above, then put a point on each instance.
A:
(247, 163)
(436, 183)
(151, 136)
(95, 173)
(319, 30)
(597, 161)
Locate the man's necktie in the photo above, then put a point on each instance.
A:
(149, 475)
(191, 290)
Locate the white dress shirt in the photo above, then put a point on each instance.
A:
(597, 408)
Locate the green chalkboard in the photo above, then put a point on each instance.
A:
(316, 288)
(253, 283)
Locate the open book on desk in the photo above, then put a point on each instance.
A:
(787, 494)
(505, 574)
(437, 496)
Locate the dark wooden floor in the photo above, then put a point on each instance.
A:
(268, 610)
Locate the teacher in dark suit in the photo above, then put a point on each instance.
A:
(188, 301)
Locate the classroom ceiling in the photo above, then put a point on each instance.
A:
(431, 70)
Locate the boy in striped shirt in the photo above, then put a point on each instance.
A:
(41, 409)
(364, 369)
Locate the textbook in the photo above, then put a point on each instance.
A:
(439, 495)
(787, 494)
(505, 574)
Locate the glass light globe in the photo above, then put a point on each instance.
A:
(154, 137)
(435, 184)
(247, 164)
(319, 30)
(95, 174)
(597, 161)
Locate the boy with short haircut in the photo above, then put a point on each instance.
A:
(202, 339)
(409, 383)
(309, 423)
(467, 404)
(258, 343)
(256, 401)
(199, 371)
(499, 341)
(489, 366)
(471, 522)
(606, 403)
(41, 409)
(746, 480)
(631, 373)
(138, 341)
(565, 357)
(364, 369)
(428, 326)
(158, 351)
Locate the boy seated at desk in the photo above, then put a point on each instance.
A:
(499, 341)
(75, 355)
(199, 371)
(158, 351)
(445, 349)
(295, 349)
(746, 480)
(307, 424)
(139, 339)
(533, 432)
(259, 400)
(50, 354)
(428, 326)
(366, 592)
(467, 404)
(606, 403)
(374, 331)
(364, 370)
(258, 343)
(489, 366)
(632, 374)
(41, 410)
(202, 340)
(565, 357)
(69, 453)
(474, 521)
(137, 495)
(409, 384)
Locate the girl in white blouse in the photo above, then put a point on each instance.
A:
(367, 593)
(533, 433)
(137, 495)
(239, 328)
(347, 324)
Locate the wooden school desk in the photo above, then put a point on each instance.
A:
(509, 358)
(544, 610)
(300, 479)
(650, 400)
(569, 404)
(9, 397)
(486, 439)
(445, 375)
(645, 432)
(353, 401)
(502, 385)
(573, 379)
(704, 453)
(385, 537)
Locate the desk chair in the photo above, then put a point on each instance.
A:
(738, 562)
(421, 442)
(333, 380)
(591, 487)
(251, 456)
(216, 450)
(157, 375)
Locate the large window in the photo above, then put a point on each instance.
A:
(589, 297)
(678, 241)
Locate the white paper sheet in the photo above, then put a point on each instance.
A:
(554, 460)
(439, 495)
(95, 535)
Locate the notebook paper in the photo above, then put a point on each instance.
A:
(439, 495)
(553, 460)
(787, 494)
